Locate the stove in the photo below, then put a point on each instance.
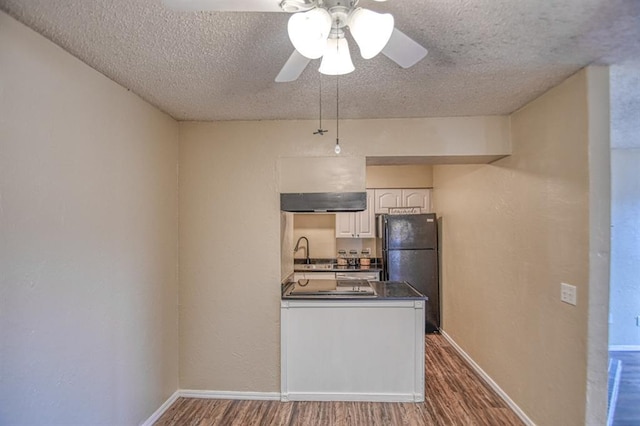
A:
(331, 288)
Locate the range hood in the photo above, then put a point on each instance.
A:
(332, 202)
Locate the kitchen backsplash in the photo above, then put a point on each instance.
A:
(320, 229)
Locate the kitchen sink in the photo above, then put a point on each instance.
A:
(314, 266)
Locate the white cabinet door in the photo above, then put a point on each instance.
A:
(417, 198)
(357, 225)
(386, 198)
(365, 220)
(345, 225)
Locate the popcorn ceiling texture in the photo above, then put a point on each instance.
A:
(485, 56)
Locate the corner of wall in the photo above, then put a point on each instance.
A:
(599, 131)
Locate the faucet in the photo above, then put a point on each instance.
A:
(297, 247)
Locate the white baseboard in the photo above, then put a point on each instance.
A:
(208, 394)
(489, 381)
(358, 397)
(205, 394)
(624, 348)
(160, 411)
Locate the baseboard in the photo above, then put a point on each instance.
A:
(489, 381)
(358, 397)
(160, 411)
(624, 348)
(208, 394)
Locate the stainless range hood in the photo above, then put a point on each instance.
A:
(332, 202)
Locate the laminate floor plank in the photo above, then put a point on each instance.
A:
(313, 413)
(455, 395)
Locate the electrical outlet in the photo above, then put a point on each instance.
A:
(568, 293)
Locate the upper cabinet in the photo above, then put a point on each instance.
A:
(357, 225)
(362, 224)
(387, 198)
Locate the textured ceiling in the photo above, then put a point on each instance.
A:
(485, 56)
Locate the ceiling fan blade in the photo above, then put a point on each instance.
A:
(292, 68)
(403, 50)
(225, 5)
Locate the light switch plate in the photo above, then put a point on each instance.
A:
(568, 293)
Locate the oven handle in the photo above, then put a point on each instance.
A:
(356, 276)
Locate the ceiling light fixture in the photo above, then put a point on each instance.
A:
(336, 59)
(370, 30)
(308, 32)
(320, 32)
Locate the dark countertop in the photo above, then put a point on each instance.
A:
(395, 290)
(385, 290)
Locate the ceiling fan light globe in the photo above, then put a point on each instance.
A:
(308, 31)
(370, 30)
(336, 59)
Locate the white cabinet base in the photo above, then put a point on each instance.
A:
(335, 350)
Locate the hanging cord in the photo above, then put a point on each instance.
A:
(337, 148)
(320, 130)
(337, 109)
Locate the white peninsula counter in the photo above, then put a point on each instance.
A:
(340, 346)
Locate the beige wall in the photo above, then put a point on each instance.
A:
(286, 245)
(400, 176)
(512, 232)
(320, 229)
(231, 236)
(88, 231)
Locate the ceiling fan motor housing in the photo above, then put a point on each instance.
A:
(339, 8)
(293, 6)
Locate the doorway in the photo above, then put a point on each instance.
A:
(624, 293)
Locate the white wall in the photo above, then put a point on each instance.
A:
(625, 206)
(88, 231)
(625, 248)
(512, 232)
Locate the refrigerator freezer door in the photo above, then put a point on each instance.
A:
(411, 232)
(420, 269)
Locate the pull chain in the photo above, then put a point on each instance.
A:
(320, 130)
(337, 148)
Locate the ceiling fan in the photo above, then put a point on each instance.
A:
(317, 30)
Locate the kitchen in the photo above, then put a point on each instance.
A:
(381, 306)
(228, 334)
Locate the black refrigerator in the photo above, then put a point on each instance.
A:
(409, 251)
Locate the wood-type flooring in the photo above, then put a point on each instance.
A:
(455, 395)
(627, 408)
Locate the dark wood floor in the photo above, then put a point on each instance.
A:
(627, 409)
(455, 395)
